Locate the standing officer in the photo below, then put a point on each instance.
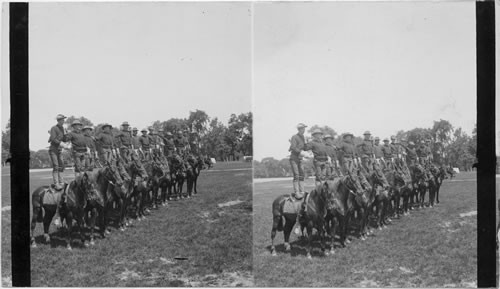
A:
(320, 156)
(333, 170)
(430, 156)
(92, 153)
(297, 145)
(348, 153)
(411, 153)
(106, 142)
(145, 141)
(56, 136)
(125, 142)
(366, 151)
(79, 146)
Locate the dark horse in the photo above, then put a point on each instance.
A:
(195, 165)
(71, 207)
(324, 204)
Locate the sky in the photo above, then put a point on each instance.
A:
(353, 66)
(135, 62)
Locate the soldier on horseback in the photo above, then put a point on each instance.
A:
(56, 137)
(387, 155)
(125, 142)
(179, 143)
(348, 152)
(92, 153)
(333, 170)
(136, 144)
(366, 150)
(169, 144)
(320, 156)
(145, 141)
(377, 149)
(106, 142)
(193, 143)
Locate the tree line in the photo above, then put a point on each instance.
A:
(222, 141)
(449, 145)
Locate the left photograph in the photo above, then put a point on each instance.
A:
(140, 136)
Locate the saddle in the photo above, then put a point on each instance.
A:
(52, 196)
(293, 205)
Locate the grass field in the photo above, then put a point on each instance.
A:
(433, 247)
(210, 234)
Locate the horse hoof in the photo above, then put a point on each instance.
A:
(107, 232)
(380, 228)
(122, 229)
(297, 231)
(86, 244)
(309, 256)
(69, 248)
(347, 241)
(332, 252)
(326, 253)
(92, 243)
(274, 253)
(33, 245)
(287, 247)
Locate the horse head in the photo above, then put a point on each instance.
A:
(113, 175)
(351, 181)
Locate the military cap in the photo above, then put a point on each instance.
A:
(151, 128)
(327, 136)
(301, 125)
(87, 127)
(386, 140)
(134, 129)
(76, 122)
(367, 133)
(377, 138)
(411, 143)
(168, 133)
(179, 132)
(105, 125)
(393, 137)
(144, 130)
(60, 116)
(316, 131)
(125, 123)
(347, 134)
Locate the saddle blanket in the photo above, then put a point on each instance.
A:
(51, 197)
(292, 205)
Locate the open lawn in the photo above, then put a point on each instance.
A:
(203, 241)
(432, 247)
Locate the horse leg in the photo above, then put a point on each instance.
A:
(195, 182)
(309, 240)
(50, 211)
(36, 212)
(69, 223)
(289, 223)
(277, 226)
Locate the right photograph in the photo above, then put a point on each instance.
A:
(364, 144)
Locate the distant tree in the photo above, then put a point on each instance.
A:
(85, 121)
(442, 131)
(174, 125)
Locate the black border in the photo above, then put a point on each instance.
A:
(486, 177)
(19, 97)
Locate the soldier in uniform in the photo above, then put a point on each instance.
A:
(320, 154)
(136, 144)
(348, 153)
(421, 151)
(106, 142)
(193, 143)
(55, 150)
(179, 143)
(297, 145)
(387, 154)
(169, 145)
(366, 151)
(91, 159)
(411, 154)
(379, 155)
(430, 156)
(79, 146)
(145, 141)
(125, 142)
(333, 170)
(158, 140)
